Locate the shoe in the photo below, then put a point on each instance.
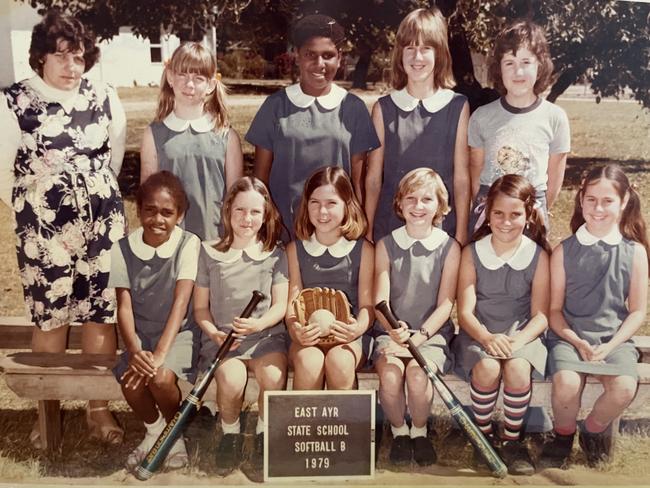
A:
(556, 452)
(515, 456)
(177, 457)
(110, 433)
(136, 456)
(401, 450)
(229, 453)
(423, 452)
(254, 467)
(596, 446)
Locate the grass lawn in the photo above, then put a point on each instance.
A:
(601, 133)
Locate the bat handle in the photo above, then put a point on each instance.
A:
(392, 321)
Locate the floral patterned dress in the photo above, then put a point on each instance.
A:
(67, 205)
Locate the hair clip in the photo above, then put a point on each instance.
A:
(166, 63)
(634, 186)
(217, 76)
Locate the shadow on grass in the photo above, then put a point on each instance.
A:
(577, 168)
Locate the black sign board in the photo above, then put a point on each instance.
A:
(312, 434)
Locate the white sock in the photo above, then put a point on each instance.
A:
(402, 430)
(234, 428)
(259, 428)
(418, 431)
(157, 426)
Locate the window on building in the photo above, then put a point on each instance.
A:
(155, 50)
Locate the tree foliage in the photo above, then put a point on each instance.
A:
(605, 42)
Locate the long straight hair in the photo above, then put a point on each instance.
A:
(426, 26)
(354, 223)
(270, 231)
(194, 57)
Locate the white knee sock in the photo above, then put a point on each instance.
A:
(418, 431)
(401, 430)
(234, 428)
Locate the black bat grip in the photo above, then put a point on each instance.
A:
(392, 321)
(158, 453)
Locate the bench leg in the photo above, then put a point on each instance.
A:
(49, 422)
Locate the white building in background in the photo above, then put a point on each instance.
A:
(126, 60)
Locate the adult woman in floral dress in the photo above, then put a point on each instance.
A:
(61, 147)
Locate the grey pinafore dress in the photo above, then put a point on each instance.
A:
(597, 286)
(152, 295)
(231, 277)
(307, 137)
(415, 275)
(198, 159)
(340, 273)
(415, 139)
(503, 298)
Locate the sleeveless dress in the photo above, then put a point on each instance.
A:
(598, 274)
(195, 152)
(503, 297)
(67, 204)
(152, 274)
(337, 267)
(231, 277)
(306, 133)
(415, 273)
(417, 133)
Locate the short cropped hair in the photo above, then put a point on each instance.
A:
(316, 25)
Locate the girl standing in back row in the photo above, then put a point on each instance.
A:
(312, 123)
(192, 137)
(422, 123)
(519, 133)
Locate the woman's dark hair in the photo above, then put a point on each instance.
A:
(316, 25)
(163, 180)
(54, 27)
(522, 34)
(516, 186)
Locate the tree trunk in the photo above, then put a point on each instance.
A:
(564, 81)
(360, 73)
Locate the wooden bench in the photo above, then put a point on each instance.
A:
(51, 377)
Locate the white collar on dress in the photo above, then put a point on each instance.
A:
(65, 98)
(255, 251)
(205, 123)
(586, 238)
(329, 102)
(340, 248)
(146, 252)
(431, 242)
(407, 102)
(519, 260)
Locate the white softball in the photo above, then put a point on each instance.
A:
(324, 319)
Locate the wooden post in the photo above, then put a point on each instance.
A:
(49, 422)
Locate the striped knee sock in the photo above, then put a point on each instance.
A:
(483, 403)
(515, 404)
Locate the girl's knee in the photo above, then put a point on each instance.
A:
(163, 380)
(416, 378)
(340, 359)
(516, 373)
(486, 372)
(622, 389)
(308, 358)
(567, 383)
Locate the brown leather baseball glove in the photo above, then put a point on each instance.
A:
(311, 299)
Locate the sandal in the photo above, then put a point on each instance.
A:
(110, 433)
(177, 457)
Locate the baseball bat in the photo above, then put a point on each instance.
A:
(158, 453)
(456, 410)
